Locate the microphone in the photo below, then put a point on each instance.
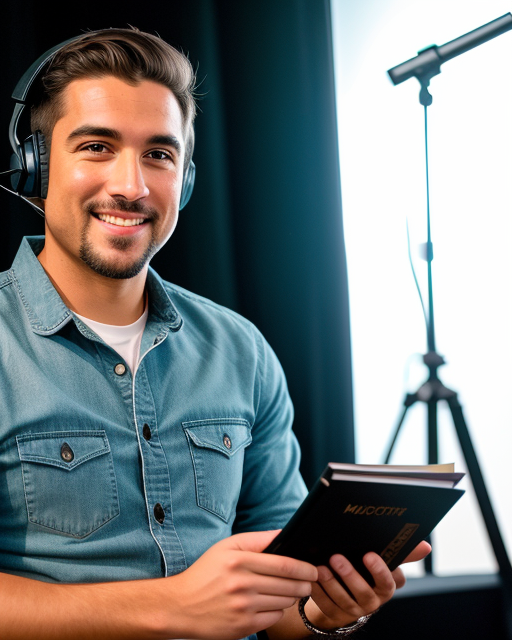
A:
(428, 62)
(14, 193)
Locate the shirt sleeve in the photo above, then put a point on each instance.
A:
(272, 487)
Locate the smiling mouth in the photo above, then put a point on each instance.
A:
(121, 222)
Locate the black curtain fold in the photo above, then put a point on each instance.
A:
(263, 232)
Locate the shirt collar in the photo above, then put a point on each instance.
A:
(45, 308)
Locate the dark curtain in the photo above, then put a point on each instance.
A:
(263, 232)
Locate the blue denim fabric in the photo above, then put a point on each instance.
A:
(79, 481)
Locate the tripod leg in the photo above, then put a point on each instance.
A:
(485, 506)
(410, 399)
(433, 458)
(432, 416)
(433, 452)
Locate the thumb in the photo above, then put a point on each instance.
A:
(255, 541)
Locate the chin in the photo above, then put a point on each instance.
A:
(121, 269)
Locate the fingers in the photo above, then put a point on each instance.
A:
(233, 589)
(384, 584)
(265, 603)
(281, 567)
(271, 586)
(420, 552)
(250, 544)
(342, 603)
(333, 600)
(398, 577)
(368, 598)
(260, 573)
(256, 541)
(338, 603)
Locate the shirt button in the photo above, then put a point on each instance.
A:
(159, 513)
(146, 432)
(66, 452)
(120, 369)
(227, 441)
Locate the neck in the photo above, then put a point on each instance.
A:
(107, 300)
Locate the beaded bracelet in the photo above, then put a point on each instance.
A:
(336, 632)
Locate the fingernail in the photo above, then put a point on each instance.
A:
(340, 564)
(324, 574)
(370, 560)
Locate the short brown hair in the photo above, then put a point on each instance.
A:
(128, 54)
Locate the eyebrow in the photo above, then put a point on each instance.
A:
(114, 134)
(168, 141)
(90, 130)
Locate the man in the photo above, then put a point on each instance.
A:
(141, 426)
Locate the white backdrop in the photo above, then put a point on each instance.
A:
(383, 185)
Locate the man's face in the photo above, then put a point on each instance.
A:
(116, 168)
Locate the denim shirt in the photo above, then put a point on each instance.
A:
(107, 476)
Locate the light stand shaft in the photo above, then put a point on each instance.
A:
(431, 334)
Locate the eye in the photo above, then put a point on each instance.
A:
(95, 147)
(159, 154)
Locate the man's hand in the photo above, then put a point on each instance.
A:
(233, 589)
(333, 606)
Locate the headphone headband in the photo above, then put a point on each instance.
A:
(27, 79)
(23, 86)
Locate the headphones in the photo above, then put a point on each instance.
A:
(30, 162)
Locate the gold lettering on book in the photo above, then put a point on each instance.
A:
(401, 539)
(370, 510)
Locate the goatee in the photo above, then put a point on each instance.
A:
(111, 268)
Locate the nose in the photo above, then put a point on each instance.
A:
(126, 178)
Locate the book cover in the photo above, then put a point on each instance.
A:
(354, 509)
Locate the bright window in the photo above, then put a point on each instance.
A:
(383, 185)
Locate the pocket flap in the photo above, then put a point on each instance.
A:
(64, 449)
(226, 435)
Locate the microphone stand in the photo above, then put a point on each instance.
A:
(424, 67)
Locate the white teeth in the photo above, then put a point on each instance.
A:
(120, 222)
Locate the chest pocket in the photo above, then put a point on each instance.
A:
(217, 447)
(69, 480)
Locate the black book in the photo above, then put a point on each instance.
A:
(353, 509)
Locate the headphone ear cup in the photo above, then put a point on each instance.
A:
(28, 184)
(17, 165)
(32, 159)
(44, 166)
(188, 184)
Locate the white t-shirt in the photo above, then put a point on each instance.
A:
(124, 339)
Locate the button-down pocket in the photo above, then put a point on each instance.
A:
(69, 480)
(217, 447)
